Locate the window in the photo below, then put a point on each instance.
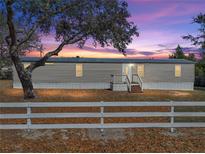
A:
(140, 70)
(49, 63)
(177, 70)
(79, 70)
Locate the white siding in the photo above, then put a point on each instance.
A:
(169, 85)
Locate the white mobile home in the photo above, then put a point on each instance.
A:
(115, 74)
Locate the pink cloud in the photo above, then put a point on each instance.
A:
(151, 16)
(144, 1)
(167, 10)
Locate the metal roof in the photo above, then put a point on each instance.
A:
(108, 60)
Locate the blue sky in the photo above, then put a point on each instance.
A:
(161, 23)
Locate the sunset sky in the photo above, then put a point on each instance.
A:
(161, 24)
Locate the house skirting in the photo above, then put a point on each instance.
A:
(119, 87)
(114, 87)
(67, 85)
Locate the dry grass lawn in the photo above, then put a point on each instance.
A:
(8, 94)
(5, 84)
(113, 140)
(57, 95)
(91, 140)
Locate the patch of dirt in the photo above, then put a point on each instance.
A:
(91, 140)
(114, 140)
(174, 134)
(64, 134)
(5, 84)
(36, 134)
(181, 93)
(65, 95)
(108, 134)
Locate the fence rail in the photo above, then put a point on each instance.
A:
(102, 114)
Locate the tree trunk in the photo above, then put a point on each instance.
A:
(24, 76)
(27, 88)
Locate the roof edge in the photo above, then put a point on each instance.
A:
(107, 60)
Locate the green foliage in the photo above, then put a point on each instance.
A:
(3, 30)
(5, 68)
(198, 40)
(5, 62)
(75, 21)
(22, 32)
(200, 64)
(179, 54)
(191, 57)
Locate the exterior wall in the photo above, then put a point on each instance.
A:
(169, 85)
(63, 75)
(166, 73)
(98, 76)
(162, 76)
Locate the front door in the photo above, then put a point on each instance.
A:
(127, 70)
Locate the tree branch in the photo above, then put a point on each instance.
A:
(55, 52)
(42, 61)
(29, 35)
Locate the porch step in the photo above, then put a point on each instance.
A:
(136, 88)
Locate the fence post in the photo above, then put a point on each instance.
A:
(172, 118)
(28, 117)
(102, 117)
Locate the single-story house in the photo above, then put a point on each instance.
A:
(110, 73)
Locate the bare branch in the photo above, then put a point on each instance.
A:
(27, 38)
(42, 61)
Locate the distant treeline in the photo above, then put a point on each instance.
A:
(199, 67)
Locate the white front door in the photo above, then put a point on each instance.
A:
(127, 70)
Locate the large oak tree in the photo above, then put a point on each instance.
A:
(69, 21)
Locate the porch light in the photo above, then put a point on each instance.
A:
(131, 65)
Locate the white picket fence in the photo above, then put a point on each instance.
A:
(172, 114)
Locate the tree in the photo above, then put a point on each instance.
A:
(70, 22)
(3, 50)
(191, 57)
(32, 44)
(179, 54)
(199, 41)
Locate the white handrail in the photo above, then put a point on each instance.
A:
(139, 80)
(128, 83)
